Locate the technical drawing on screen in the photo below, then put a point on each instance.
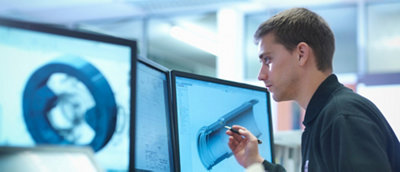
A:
(203, 107)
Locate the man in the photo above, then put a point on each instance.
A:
(343, 131)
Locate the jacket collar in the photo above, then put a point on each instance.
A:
(320, 98)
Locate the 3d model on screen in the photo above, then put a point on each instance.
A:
(69, 101)
(212, 142)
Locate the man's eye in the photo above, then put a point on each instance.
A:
(265, 60)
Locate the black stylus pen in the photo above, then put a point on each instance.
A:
(237, 132)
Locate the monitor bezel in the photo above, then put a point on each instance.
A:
(63, 31)
(176, 73)
(166, 71)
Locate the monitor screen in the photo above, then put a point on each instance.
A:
(153, 147)
(204, 106)
(64, 87)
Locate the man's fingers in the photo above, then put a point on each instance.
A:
(244, 132)
(237, 137)
(237, 127)
(232, 143)
(242, 144)
(236, 145)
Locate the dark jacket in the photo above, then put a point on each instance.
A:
(346, 132)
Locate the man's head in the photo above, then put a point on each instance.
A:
(297, 25)
(296, 48)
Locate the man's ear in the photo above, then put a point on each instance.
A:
(303, 51)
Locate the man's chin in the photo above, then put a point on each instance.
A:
(277, 98)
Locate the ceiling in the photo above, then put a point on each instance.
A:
(146, 21)
(75, 11)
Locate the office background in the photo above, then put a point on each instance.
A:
(214, 38)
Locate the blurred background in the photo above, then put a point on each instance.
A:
(215, 38)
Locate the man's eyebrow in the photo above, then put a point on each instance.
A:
(260, 56)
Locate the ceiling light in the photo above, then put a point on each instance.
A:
(194, 39)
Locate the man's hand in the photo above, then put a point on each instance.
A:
(244, 146)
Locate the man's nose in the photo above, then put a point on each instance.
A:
(263, 74)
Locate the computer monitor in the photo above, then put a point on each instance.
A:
(203, 107)
(153, 150)
(64, 87)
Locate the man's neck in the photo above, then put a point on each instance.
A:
(310, 85)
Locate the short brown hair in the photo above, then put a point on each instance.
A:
(296, 25)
